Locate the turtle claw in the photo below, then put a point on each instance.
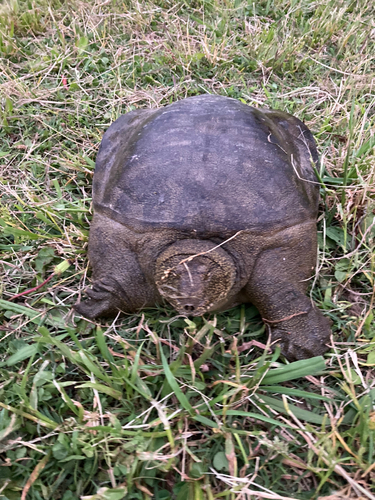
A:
(304, 336)
(101, 302)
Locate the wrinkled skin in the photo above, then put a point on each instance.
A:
(206, 204)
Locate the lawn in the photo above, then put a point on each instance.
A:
(156, 405)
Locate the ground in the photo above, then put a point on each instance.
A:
(154, 404)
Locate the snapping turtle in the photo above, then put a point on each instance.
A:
(208, 203)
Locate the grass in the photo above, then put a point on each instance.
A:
(154, 405)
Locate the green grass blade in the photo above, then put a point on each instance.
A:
(295, 392)
(102, 388)
(174, 385)
(25, 352)
(300, 413)
(295, 370)
(34, 316)
(258, 416)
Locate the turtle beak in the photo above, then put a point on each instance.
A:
(188, 297)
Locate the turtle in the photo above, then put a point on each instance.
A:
(208, 203)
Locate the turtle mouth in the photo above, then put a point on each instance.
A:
(194, 276)
(185, 305)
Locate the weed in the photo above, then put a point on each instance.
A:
(153, 404)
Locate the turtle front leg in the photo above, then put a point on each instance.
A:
(118, 280)
(103, 300)
(277, 287)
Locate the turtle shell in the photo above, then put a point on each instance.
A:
(209, 164)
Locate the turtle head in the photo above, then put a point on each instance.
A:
(195, 276)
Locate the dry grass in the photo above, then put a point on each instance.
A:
(154, 404)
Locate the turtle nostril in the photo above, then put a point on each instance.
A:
(189, 308)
